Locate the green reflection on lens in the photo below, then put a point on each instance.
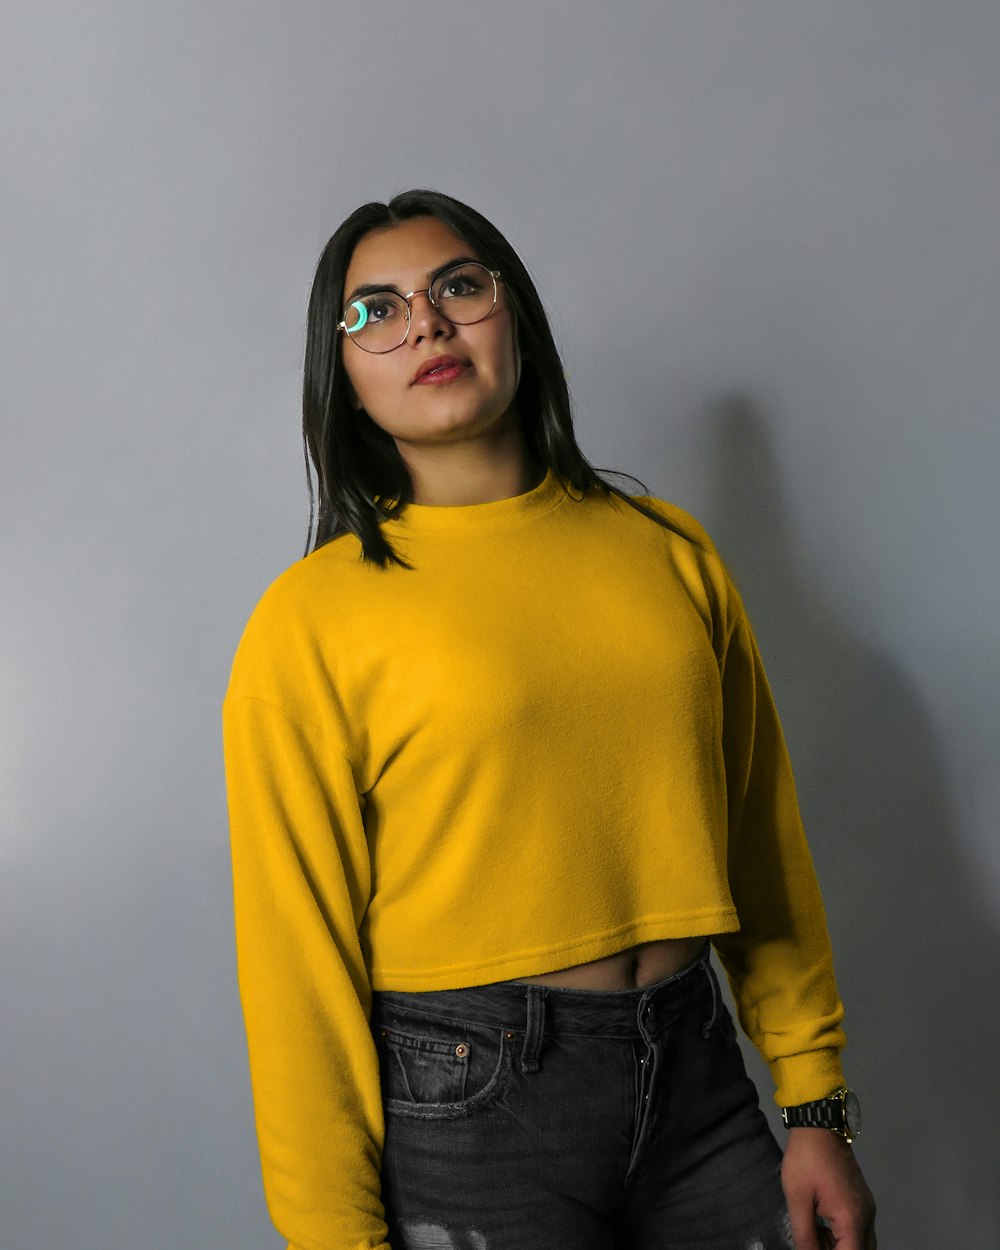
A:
(362, 312)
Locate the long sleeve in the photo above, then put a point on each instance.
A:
(779, 963)
(301, 882)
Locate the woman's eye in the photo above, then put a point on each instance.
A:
(379, 308)
(461, 285)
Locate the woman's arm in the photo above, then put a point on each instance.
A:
(301, 881)
(780, 964)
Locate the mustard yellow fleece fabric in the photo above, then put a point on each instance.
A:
(552, 739)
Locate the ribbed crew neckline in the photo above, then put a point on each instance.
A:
(463, 518)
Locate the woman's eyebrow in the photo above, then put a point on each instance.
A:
(371, 288)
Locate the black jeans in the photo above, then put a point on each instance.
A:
(522, 1116)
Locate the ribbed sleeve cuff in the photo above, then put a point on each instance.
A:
(807, 1076)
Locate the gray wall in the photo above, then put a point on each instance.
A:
(768, 238)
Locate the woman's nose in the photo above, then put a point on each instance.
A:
(425, 320)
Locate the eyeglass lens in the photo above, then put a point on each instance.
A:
(464, 294)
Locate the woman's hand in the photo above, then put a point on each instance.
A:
(821, 1178)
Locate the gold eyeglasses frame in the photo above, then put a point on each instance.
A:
(494, 274)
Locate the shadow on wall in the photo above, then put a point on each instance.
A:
(917, 959)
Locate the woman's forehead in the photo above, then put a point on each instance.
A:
(410, 251)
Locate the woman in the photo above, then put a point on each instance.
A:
(502, 767)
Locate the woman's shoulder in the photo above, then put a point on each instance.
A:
(305, 600)
(304, 585)
(693, 555)
(678, 520)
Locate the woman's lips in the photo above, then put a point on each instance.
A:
(437, 377)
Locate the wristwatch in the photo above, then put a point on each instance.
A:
(841, 1112)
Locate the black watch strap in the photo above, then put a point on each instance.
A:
(830, 1112)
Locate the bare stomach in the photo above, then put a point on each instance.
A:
(630, 969)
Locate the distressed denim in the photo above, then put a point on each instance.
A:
(522, 1116)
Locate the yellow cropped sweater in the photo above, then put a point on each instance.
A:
(551, 740)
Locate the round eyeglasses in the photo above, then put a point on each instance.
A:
(379, 321)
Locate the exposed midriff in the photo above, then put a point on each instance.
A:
(629, 969)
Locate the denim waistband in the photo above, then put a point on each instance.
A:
(605, 1013)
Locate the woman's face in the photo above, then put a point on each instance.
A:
(480, 400)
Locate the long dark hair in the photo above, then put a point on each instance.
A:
(355, 459)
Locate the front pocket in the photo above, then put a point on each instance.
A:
(434, 1068)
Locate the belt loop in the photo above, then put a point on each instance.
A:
(716, 999)
(535, 1027)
